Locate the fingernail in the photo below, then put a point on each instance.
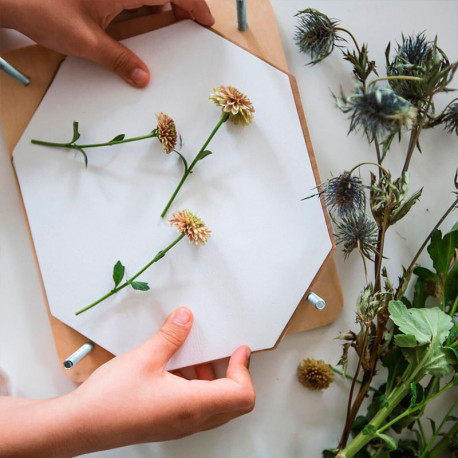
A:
(182, 316)
(139, 76)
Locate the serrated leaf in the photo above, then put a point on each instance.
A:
(76, 133)
(140, 285)
(424, 324)
(118, 138)
(435, 360)
(405, 340)
(202, 155)
(441, 249)
(402, 211)
(389, 441)
(118, 273)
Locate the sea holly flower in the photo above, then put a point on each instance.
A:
(236, 107)
(234, 102)
(343, 194)
(165, 132)
(188, 225)
(451, 118)
(316, 34)
(377, 111)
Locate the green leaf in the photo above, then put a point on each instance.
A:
(441, 249)
(435, 360)
(185, 163)
(159, 255)
(451, 285)
(330, 452)
(391, 442)
(202, 155)
(433, 425)
(425, 274)
(140, 285)
(413, 389)
(402, 211)
(425, 324)
(81, 150)
(118, 273)
(118, 138)
(405, 340)
(369, 429)
(358, 425)
(76, 134)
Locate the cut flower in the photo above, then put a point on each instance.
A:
(166, 132)
(189, 224)
(315, 374)
(234, 102)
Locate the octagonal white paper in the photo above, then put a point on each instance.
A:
(266, 245)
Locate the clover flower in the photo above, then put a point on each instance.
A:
(376, 111)
(234, 102)
(315, 375)
(190, 225)
(315, 34)
(357, 231)
(166, 132)
(450, 118)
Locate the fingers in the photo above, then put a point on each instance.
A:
(237, 369)
(119, 60)
(205, 372)
(164, 344)
(196, 9)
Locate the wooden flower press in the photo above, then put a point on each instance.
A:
(262, 39)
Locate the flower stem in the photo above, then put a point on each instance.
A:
(351, 35)
(223, 119)
(94, 145)
(385, 171)
(159, 255)
(445, 441)
(349, 377)
(382, 78)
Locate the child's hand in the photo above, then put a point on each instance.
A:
(77, 28)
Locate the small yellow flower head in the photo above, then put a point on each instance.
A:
(167, 132)
(315, 375)
(235, 103)
(192, 226)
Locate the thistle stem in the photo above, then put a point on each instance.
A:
(385, 171)
(94, 145)
(159, 255)
(351, 35)
(382, 78)
(188, 171)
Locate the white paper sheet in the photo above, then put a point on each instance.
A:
(266, 244)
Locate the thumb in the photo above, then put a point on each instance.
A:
(119, 59)
(171, 336)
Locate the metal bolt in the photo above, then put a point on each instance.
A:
(241, 15)
(79, 354)
(316, 301)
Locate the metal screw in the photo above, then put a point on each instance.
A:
(79, 354)
(316, 301)
(14, 72)
(241, 15)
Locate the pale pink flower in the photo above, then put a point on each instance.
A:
(166, 132)
(192, 226)
(234, 102)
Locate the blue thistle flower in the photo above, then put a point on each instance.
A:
(343, 194)
(376, 111)
(357, 231)
(450, 118)
(315, 34)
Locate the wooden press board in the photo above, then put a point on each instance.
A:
(41, 65)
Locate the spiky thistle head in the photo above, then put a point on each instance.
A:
(377, 111)
(189, 224)
(315, 374)
(316, 34)
(416, 56)
(343, 194)
(166, 132)
(234, 102)
(357, 231)
(369, 304)
(450, 118)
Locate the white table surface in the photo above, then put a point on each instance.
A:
(288, 420)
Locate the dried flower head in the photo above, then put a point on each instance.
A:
(234, 102)
(192, 226)
(377, 111)
(315, 34)
(344, 193)
(315, 375)
(450, 118)
(166, 132)
(418, 57)
(357, 231)
(369, 304)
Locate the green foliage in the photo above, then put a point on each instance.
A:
(202, 155)
(140, 285)
(118, 138)
(118, 273)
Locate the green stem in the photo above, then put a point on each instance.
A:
(422, 432)
(159, 255)
(349, 377)
(382, 78)
(455, 305)
(351, 35)
(94, 145)
(445, 441)
(187, 172)
(385, 171)
(438, 430)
